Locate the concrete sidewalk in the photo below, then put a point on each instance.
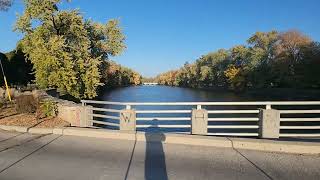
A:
(31, 157)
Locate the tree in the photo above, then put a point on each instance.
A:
(115, 75)
(292, 43)
(236, 78)
(293, 51)
(67, 51)
(18, 70)
(270, 59)
(5, 4)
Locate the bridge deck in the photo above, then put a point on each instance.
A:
(26, 156)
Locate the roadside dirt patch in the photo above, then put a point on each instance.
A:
(6, 112)
(9, 117)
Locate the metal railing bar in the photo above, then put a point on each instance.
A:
(233, 119)
(233, 134)
(299, 127)
(163, 126)
(233, 111)
(104, 116)
(162, 111)
(298, 119)
(300, 135)
(104, 110)
(207, 103)
(102, 102)
(104, 123)
(165, 118)
(299, 111)
(233, 127)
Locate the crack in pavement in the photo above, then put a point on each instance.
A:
(12, 137)
(252, 163)
(24, 142)
(24, 157)
(131, 157)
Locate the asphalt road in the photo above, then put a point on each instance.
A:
(54, 157)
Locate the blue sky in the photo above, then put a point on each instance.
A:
(163, 34)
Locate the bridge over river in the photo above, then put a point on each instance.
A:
(128, 135)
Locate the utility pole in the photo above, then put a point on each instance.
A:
(5, 80)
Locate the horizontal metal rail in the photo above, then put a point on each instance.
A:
(298, 119)
(161, 111)
(233, 127)
(104, 123)
(300, 135)
(233, 134)
(204, 103)
(163, 126)
(234, 119)
(164, 118)
(312, 111)
(104, 110)
(104, 116)
(299, 127)
(233, 111)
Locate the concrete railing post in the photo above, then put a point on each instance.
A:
(85, 116)
(128, 120)
(199, 122)
(269, 123)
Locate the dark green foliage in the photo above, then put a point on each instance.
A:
(17, 69)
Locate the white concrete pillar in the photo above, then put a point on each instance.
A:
(85, 116)
(269, 123)
(128, 120)
(199, 122)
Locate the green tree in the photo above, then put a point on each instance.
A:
(67, 51)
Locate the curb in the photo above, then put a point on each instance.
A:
(14, 128)
(290, 147)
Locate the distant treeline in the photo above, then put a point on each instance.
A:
(19, 71)
(116, 75)
(269, 59)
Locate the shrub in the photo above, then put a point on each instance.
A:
(2, 103)
(49, 108)
(26, 104)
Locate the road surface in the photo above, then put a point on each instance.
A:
(54, 157)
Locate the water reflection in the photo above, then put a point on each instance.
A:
(167, 94)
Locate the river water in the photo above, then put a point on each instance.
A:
(167, 94)
(178, 94)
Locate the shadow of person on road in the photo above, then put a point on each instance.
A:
(155, 163)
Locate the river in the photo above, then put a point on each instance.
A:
(166, 94)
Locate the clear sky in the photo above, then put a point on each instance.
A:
(163, 34)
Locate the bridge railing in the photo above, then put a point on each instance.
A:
(265, 119)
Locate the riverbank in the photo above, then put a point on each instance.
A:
(266, 94)
(285, 94)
